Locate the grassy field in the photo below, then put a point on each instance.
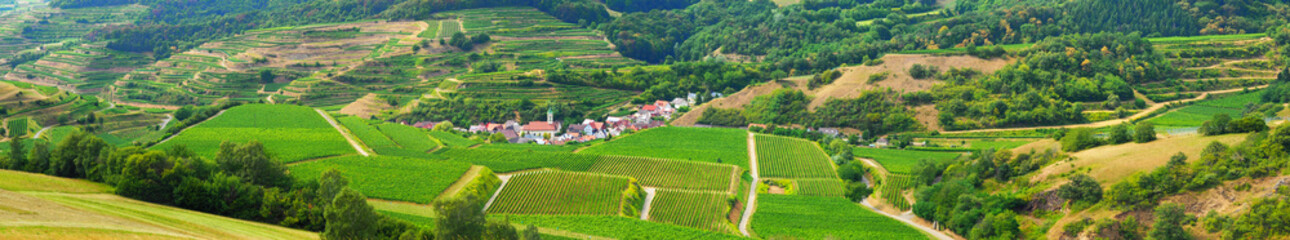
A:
(45, 207)
(509, 161)
(719, 145)
(558, 192)
(822, 187)
(782, 157)
(617, 227)
(668, 173)
(1196, 114)
(393, 178)
(290, 133)
(806, 217)
(702, 210)
(901, 161)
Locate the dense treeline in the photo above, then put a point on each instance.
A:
(88, 3)
(873, 112)
(1279, 90)
(1044, 86)
(646, 5)
(245, 182)
(574, 11)
(957, 203)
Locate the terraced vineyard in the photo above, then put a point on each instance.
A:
(893, 190)
(807, 217)
(560, 192)
(702, 210)
(822, 187)
(715, 145)
(391, 178)
(782, 157)
(665, 173)
(290, 133)
(510, 160)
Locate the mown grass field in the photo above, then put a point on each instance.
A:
(807, 217)
(559, 192)
(290, 133)
(782, 157)
(666, 173)
(509, 160)
(718, 145)
(902, 161)
(46, 207)
(1196, 114)
(385, 177)
(702, 210)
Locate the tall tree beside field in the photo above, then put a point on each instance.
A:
(349, 217)
(459, 218)
(1120, 134)
(331, 183)
(1081, 188)
(252, 163)
(1144, 132)
(17, 157)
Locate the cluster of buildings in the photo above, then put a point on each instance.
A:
(554, 132)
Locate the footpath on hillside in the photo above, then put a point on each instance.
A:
(750, 206)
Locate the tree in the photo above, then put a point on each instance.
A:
(1120, 133)
(445, 126)
(37, 159)
(267, 76)
(252, 163)
(459, 218)
(1170, 218)
(531, 233)
(1144, 132)
(497, 138)
(17, 155)
(331, 183)
(349, 217)
(1081, 188)
(1216, 125)
(1079, 139)
(500, 230)
(184, 113)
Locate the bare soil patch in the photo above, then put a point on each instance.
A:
(856, 79)
(365, 107)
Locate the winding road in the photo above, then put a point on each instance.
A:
(752, 191)
(42, 131)
(649, 201)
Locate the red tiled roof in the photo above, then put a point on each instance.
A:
(649, 108)
(661, 103)
(539, 126)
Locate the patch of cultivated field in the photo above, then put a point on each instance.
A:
(1196, 114)
(823, 187)
(290, 133)
(666, 173)
(1110, 164)
(392, 178)
(452, 140)
(717, 145)
(559, 192)
(902, 161)
(782, 157)
(34, 206)
(702, 210)
(512, 160)
(617, 227)
(807, 217)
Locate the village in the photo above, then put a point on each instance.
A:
(554, 132)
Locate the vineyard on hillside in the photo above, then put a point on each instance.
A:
(451, 139)
(702, 210)
(408, 137)
(716, 145)
(392, 178)
(290, 133)
(822, 187)
(560, 192)
(668, 173)
(893, 190)
(806, 217)
(782, 157)
(512, 160)
(902, 161)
